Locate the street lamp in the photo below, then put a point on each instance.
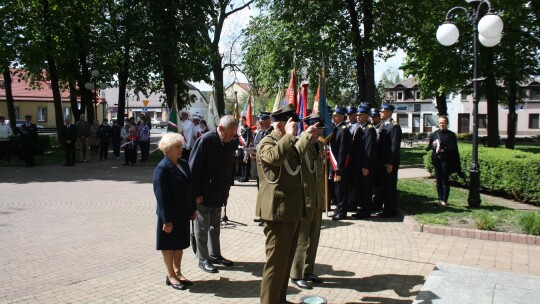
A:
(94, 86)
(487, 30)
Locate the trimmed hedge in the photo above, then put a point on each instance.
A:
(43, 144)
(505, 172)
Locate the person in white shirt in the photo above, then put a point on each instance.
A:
(5, 133)
(189, 133)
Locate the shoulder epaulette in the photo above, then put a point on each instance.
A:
(370, 126)
(344, 127)
(395, 122)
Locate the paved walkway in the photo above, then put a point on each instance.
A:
(86, 234)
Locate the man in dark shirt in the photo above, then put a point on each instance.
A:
(104, 133)
(246, 141)
(70, 138)
(29, 135)
(210, 162)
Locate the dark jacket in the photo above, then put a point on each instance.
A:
(448, 152)
(389, 143)
(364, 147)
(173, 191)
(104, 133)
(211, 163)
(28, 134)
(70, 133)
(340, 146)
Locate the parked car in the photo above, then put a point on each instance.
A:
(19, 123)
(158, 123)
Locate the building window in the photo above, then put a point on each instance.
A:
(463, 97)
(403, 120)
(68, 113)
(417, 95)
(534, 93)
(42, 113)
(399, 96)
(417, 107)
(534, 121)
(482, 121)
(17, 113)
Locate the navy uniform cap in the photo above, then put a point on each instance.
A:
(387, 107)
(285, 113)
(351, 109)
(263, 115)
(314, 118)
(374, 112)
(363, 110)
(366, 105)
(340, 110)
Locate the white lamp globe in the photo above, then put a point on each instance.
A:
(447, 34)
(489, 42)
(89, 86)
(490, 26)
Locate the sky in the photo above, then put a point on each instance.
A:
(240, 20)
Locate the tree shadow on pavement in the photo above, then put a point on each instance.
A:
(226, 288)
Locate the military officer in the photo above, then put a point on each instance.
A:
(280, 201)
(246, 141)
(310, 228)
(340, 146)
(29, 135)
(375, 120)
(389, 145)
(265, 128)
(363, 158)
(351, 116)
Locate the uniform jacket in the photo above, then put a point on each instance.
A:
(340, 145)
(172, 189)
(29, 134)
(389, 143)
(313, 175)
(247, 136)
(364, 147)
(261, 134)
(211, 163)
(70, 133)
(280, 196)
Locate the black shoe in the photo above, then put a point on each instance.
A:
(178, 286)
(301, 283)
(257, 220)
(243, 180)
(261, 224)
(313, 278)
(339, 217)
(362, 216)
(186, 282)
(207, 266)
(221, 260)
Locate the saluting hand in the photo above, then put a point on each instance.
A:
(290, 127)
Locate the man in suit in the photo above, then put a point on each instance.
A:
(302, 271)
(280, 201)
(210, 162)
(29, 135)
(70, 138)
(389, 145)
(375, 120)
(363, 158)
(246, 141)
(340, 146)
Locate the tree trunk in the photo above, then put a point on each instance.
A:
(512, 116)
(491, 92)
(83, 77)
(369, 60)
(440, 99)
(217, 70)
(122, 81)
(53, 71)
(73, 100)
(10, 102)
(357, 49)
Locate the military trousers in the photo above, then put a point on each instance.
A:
(341, 194)
(281, 240)
(308, 241)
(364, 184)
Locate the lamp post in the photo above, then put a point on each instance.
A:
(487, 30)
(93, 85)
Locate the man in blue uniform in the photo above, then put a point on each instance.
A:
(363, 157)
(389, 145)
(375, 120)
(340, 146)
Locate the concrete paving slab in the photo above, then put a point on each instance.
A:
(450, 283)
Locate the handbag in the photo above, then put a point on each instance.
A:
(192, 237)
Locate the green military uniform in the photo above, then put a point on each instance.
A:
(310, 228)
(280, 204)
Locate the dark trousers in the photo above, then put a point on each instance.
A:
(185, 154)
(389, 191)
(116, 147)
(5, 150)
(131, 154)
(145, 150)
(354, 190)
(70, 153)
(246, 168)
(364, 185)
(378, 181)
(28, 155)
(341, 194)
(103, 150)
(443, 179)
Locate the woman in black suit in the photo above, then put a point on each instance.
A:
(175, 207)
(445, 158)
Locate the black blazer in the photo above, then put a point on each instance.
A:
(172, 189)
(363, 147)
(70, 133)
(389, 143)
(449, 150)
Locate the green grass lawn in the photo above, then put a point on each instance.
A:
(418, 197)
(412, 156)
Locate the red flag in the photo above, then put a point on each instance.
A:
(291, 91)
(249, 113)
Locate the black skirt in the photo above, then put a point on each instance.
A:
(178, 239)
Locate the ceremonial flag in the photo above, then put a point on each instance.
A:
(291, 91)
(249, 113)
(301, 110)
(279, 99)
(211, 116)
(172, 125)
(321, 106)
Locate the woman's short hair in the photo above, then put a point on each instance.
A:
(169, 140)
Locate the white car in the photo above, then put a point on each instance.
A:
(158, 123)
